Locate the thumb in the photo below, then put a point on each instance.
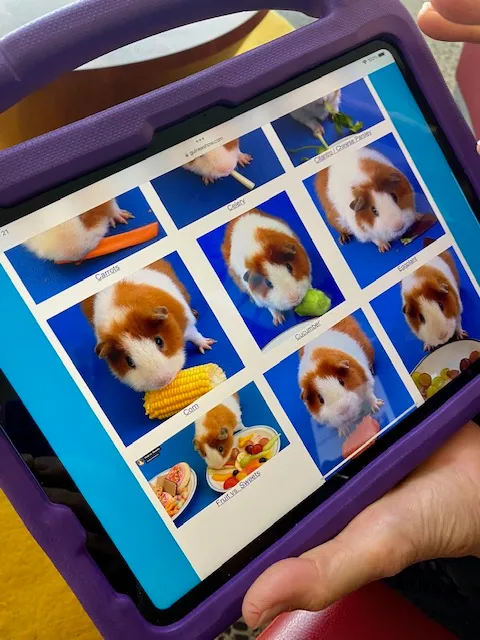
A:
(367, 550)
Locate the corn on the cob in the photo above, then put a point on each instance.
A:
(188, 386)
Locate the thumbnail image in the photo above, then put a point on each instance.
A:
(340, 391)
(147, 347)
(309, 130)
(222, 451)
(89, 243)
(375, 208)
(431, 317)
(217, 177)
(272, 271)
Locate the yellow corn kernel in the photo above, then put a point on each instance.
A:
(188, 386)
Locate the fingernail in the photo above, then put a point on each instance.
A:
(427, 6)
(478, 147)
(268, 615)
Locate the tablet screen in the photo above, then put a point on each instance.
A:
(209, 335)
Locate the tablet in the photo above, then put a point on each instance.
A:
(215, 332)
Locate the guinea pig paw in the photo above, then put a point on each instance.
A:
(205, 344)
(122, 217)
(278, 318)
(344, 238)
(244, 159)
(377, 404)
(461, 334)
(383, 247)
(208, 180)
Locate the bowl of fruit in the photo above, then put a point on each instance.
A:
(444, 364)
(252, 448)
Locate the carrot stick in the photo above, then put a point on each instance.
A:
(243, 180)
(112, 244)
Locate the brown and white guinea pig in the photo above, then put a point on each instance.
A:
(431, 302)
(365, 196)
(335, 377)
(220, 162)
(73, 239)
(214, 432)
(314, 114)
(141, 324)
(267, 260)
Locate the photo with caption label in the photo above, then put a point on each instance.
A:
(315, 127)
(212, 460)
(340, 391)
(432, 318)
(59, 258)
(147, 346)
(217, 177)
(271, 269)
(374, 207)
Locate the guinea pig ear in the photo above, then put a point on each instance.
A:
(443, 288)
(223, 435)
(289, 250)
(343, 366)
(104, 349)
(160, 313)
(358, 204)
(394, 178)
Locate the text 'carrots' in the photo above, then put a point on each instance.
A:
(112, 244)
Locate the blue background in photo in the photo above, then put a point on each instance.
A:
(357, 102)
(44, 279)
(388, 308)
(179, 448)
(186, 197)
(259, 321)
(323, 443)
(365, 260)
(122, 405)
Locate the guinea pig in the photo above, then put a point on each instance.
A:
(336, 379)
(312, 115)
(73, 239)
(141, 324)
(365, 196)
(214, 432)
(431, 301)
(220, 162)
(266, 259)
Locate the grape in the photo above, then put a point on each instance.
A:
(453, 373)
(249, 449)
(431, 391)
(464, 364)
(474, 356)
(257, 449)
(444, 372)
(425, 380)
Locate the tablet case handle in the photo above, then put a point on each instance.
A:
(64, 40)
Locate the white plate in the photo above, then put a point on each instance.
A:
(447, 356)
(192, 487)
(261, 430)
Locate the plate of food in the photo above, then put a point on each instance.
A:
(175, 488)
(444, 364)
(252, 448)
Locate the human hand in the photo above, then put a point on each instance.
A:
(451, 20)
(434, 513)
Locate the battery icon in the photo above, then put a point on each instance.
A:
(381, 54)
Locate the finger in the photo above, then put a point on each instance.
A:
(434, 25)
(459, 11)
(368, 549)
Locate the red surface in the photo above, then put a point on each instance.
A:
(375, 612)
(468, 78)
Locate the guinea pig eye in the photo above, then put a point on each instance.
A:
(341, 382)
(394, 197)
(130, 362)
(268, 284)
(159, 342)
(375, 211)
(220, 449)
(320, 399)
(441, 306)
(421, 317)
(289, 267)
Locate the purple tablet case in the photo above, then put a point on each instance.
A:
(66, 39)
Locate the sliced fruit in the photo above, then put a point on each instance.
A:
(230, 483)
(180, 474)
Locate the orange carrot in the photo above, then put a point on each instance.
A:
(112, 244)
